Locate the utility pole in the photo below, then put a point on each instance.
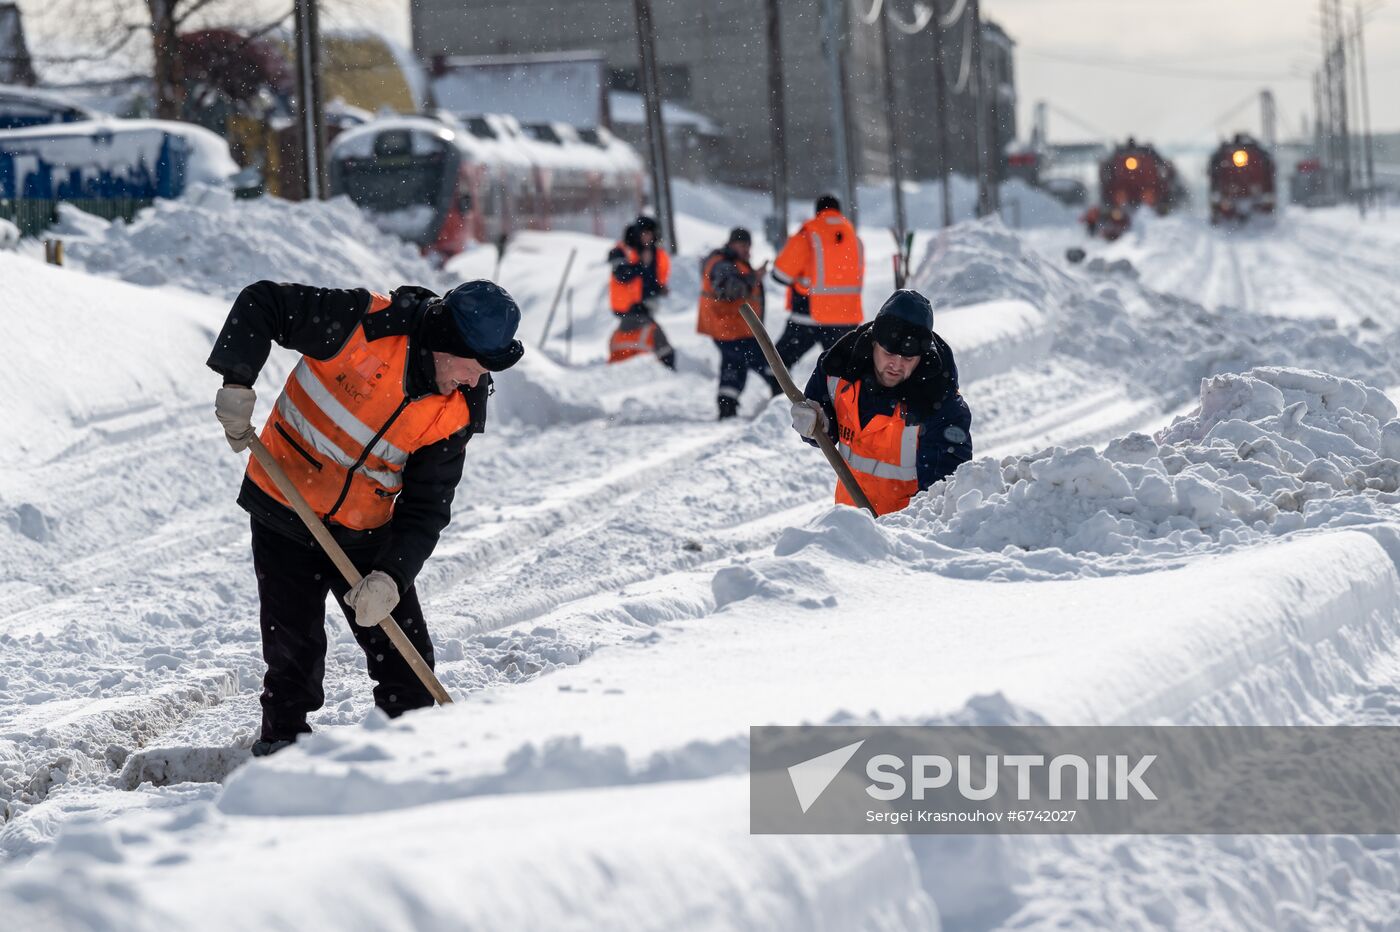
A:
(893, 120)
(1268, 119)
(1327, 101)
(1040, 132)
(165, 48)
(656, 125)
(979, 95)
(1366, 110)
(777, 120)
(1340, 88)
(309, 121)
(940, 93)
(833, 42)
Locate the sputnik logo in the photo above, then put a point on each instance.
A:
(811, 777)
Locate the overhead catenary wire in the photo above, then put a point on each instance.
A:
(1165, 70)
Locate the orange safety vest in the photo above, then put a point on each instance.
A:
(883, 454)
(624, 295)
(825, 261)
(628, 343)
(343, 429)
(721, 319)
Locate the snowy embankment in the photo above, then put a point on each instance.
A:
(619, 600)
(630, 763)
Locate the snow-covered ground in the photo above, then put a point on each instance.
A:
(1169, 521)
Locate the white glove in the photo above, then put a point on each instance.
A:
(808, 418)
(373, 598)
(233, 406)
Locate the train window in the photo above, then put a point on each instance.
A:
(479, 128)
(591, 137)
(543, 132)
(393, 142)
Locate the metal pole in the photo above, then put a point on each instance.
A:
(940, 92)
(893, 119)
(979, 96)
(1268, 119)
(656, 125)
(1366, 111)
(554, 305)
(312, 127)
(1329, 148)
(777, 120)
(1343, 125)
(831, 48)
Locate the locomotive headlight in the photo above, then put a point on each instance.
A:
(1131, 163)
(1240, 158)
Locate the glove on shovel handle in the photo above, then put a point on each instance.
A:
(347, 569)
(780, 372)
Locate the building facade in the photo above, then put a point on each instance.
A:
(713, 60)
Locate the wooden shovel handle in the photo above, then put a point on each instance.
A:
(347, 569)
(780, 372)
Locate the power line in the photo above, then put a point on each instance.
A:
(1162, 70)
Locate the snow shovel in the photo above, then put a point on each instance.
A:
(833, 456)
(347, 569)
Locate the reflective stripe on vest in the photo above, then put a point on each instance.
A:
(328, 448)
(343, 429)
(887, 482)
(625, 344)
(819, 287)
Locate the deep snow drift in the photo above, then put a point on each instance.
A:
(1266, 452)
(627, 586)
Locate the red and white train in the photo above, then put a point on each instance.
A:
(441, 183)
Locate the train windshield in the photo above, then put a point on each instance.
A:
(400, 177)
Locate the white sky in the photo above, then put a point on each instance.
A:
(1090, 58)
(1166, 70)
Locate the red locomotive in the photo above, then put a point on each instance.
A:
(1135, 175)
(1242, 177)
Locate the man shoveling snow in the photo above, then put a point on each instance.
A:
(887, 394)
(371, 429)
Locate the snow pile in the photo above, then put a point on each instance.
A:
(212, 243)
(1106, 317)
(1266, 453)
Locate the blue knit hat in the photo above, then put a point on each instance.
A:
(477, 320)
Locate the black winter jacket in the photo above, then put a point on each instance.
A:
(930, 396)
(317, 322)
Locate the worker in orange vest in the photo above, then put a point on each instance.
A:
(641, 270)
(823, 267)
(728, 280)
(372, 427)
(887, 395)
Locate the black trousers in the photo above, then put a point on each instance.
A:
(736, 358)
(797, 339)
(293, 580)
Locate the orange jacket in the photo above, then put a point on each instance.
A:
(721, 319)
(624, 294)
(625, 344)
(883, 454)
(826, 262)
(344, 427)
